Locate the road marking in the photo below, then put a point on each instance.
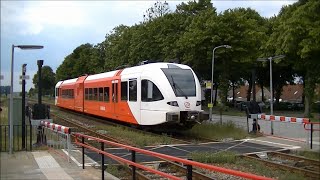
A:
(274, 143)
(94, 163)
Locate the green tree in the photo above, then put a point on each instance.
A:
(296, 34)
(159, 9)
(85, 59)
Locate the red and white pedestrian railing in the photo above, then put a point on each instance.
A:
(56, 136)
(135, 165)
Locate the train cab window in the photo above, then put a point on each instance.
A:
(100, 95)
(106, 94)
(150, 92)
(57, 92)
(95, 94)
(133, 90)
(124, 91)
(86, 94)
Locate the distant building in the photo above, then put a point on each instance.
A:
(290, 93)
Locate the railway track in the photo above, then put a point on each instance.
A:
(307, 167)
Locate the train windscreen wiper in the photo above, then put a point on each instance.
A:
(176, 87)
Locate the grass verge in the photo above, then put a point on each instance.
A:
(217, 131)
(136, 138)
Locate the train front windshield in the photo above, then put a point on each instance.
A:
(181, 80)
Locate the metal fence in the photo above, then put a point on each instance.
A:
(18, 143)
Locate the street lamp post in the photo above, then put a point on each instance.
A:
(271, 88)
(212, 70)
(23, 47)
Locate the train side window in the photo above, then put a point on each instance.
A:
(106, 94)
(133, 90)
(150, 92)
(72, 93)
(95, 94)
(100, 94)
(86, 93)
(90, 94)
(124, 91)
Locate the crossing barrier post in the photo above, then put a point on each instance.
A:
(102, 161)
(133, 159)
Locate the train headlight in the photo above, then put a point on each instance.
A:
(198, 103)
(173, 103)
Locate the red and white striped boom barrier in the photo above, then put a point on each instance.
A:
(283, 118)
(56, 127)
(63, 130)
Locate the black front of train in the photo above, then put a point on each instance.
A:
(183, 84)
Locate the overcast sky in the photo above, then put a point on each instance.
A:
(61, 26)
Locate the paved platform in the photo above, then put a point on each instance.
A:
(46, 164)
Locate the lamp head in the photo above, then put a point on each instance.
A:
(227, 46)
(24, 47)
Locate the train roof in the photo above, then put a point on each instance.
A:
(69, 81)
(102, 75)
(58, 84)
(151, 67)
(129, 70)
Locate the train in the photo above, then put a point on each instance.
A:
(155, 95)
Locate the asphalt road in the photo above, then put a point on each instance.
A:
(282, 129)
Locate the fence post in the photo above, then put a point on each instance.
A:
(82, 141)
(30, 137)
(102, 161)
(5, 137)
(0, 138)
(133, 159)
(189, 171)
(248, 125)
(68, 146)
(311, 136)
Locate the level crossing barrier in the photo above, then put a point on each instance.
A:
(135, 165)
(283, 118)
(58, 136)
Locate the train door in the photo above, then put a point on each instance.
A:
(79, 94)
(134, 99)
(114, 103)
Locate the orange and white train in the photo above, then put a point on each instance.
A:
(162, 95)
